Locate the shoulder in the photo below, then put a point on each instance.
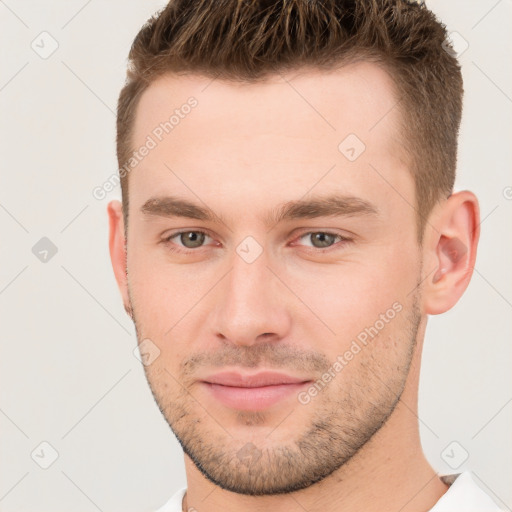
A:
(465, 494)
(174, 503)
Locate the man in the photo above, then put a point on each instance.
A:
(288, 222)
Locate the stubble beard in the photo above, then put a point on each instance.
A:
(343, 419)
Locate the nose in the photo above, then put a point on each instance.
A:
(251, 304)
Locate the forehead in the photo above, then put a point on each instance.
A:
(356, 96)
(286, 131)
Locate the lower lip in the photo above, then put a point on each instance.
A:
(253, 399)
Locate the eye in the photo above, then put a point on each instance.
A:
(322, 239)
(196, 239)
(188, 239)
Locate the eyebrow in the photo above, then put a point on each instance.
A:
(317, 206)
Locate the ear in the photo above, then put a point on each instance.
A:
(450, 251)
(117, 246)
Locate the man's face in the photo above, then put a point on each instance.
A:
(247, 291)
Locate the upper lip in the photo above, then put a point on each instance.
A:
(266, 378)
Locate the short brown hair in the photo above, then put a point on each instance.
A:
(247, 40)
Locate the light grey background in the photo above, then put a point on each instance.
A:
(68, 373)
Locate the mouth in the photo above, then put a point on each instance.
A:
(252, 392)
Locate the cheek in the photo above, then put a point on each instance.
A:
(169, 300)
(156, 295)
(352, 295)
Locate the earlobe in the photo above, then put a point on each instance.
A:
(452, 252)
(117, 246)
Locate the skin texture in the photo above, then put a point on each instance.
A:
(243, 151)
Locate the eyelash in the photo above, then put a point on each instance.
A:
(179, 249)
